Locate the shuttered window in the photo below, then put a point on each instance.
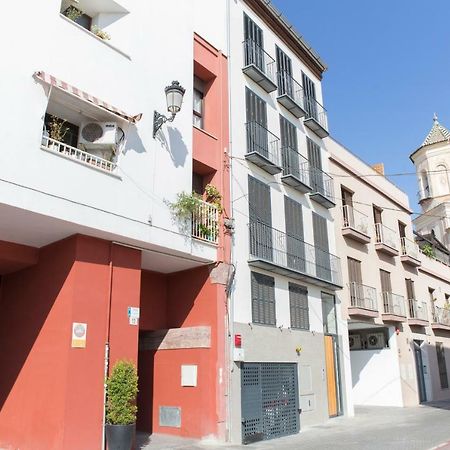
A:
(440, 353)
(260, 213)
(254, 43)
(355, 280)
(298, 302)
(284, 71)
(294, 234)
(310, 96)
(256, 115)
(323, 263)
(385, 278)
(315, 165)
(252, 31)
(289, 147)
(263, 299)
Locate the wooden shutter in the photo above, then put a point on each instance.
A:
(323, 263)
(257, 136)
(410, 289)
(284, 71)
(252, 31)
(440, 353)
(254, 44)
(289, 147)
(260, 213)
(310, 96)
(315, 166)
(377, 214)
(385, 278)
(294, 235)
(347, 197)
(402, 229)
(263, 299)
(298, 302)
(354, 271)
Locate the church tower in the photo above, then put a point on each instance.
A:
(432, 161)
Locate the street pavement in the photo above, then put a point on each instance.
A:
(373, 428)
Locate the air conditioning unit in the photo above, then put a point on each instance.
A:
(98, 136)
(375, 340)
(355, 341)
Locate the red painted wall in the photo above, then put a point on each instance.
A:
(51, 395)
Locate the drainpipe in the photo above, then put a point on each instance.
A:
(107, 334)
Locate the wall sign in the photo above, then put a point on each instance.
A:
(79, 331)
(133, 315)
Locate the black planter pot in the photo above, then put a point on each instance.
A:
(120, 437)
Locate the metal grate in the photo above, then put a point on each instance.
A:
(269, 401)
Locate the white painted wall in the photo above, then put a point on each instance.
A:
(376, 376)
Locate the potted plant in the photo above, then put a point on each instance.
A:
(428, 250)
(56, 131)
(102, 34)
(72, 13)
(121, 391)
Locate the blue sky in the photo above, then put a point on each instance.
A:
(388, 72)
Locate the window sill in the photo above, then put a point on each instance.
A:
(96, 37)
(205, 132)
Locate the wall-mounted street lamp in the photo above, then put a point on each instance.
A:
(174, 97)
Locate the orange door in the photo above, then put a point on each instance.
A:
(330, 365)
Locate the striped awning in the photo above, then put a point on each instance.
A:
(53, 81)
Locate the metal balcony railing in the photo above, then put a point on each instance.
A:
(286, 251)
(205, 222)
(385, 235)
(260, 140)
(423, 194)
(255, 55)
(355, 219)
(60, 148)
(417, 310)
(362, 296)
(289, 86)
(322, 183)
(295, 164)
(393, 304)
(409, 248)
(314, 110)
(441, 315)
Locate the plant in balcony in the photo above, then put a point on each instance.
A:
(57, 130)
(214, 197)
(72, 13)
(121, 409)
(428, 250)
(102, 34)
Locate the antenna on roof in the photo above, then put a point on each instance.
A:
(435, 117)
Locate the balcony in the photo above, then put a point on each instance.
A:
(355, 225)
(295, 170)
(322, 187)
(263, 148)
(259, 66)
(205, 223)
(287, 255)
(316, 117)
(290, 94)
(418, 314)
(386, 240)
(363, 301)
(410, 252)
(441, 319)
(424, 194)
(393, 307)
(66, 151)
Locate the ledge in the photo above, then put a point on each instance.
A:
(380, 246)
(393, 318)
(356, 235)
(362, 312)
(440, 326)
(406, 259)
(418, 322)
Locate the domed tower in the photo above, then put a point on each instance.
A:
(432, 161)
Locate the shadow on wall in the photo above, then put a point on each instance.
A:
(133, 141)
(177, 148)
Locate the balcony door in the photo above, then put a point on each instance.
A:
(386, 290)
(310, 96)
(289, 147)
(355, 279)
(254, 53)
(321, 247)
(410, 294)
(347, 204)
(284, 71)
(295, 245)
(315, 166)
(257, 136)
(260, 213)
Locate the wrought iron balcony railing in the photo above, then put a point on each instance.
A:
(295, 164)
(314, 110)
(386, 236)
(322, 183)
(264, 143)
(409, 248)
(417, 310)
(291, 94)
(355, 219)
(362, 296)
(205, 222)
(286, 251)
(441, 316)
(393, 304)
(259, 65)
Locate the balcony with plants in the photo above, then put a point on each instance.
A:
(263, 148)
(322, 187)
(441, 318)
(355, 225)
(296, 170)
(393, 307)
(363, 300)
(409, 252)
(386, 240)
(418, 313)
(259, 66)
(316, 117)
(284, 254)
(290, 94)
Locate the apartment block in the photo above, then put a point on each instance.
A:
(394, 297)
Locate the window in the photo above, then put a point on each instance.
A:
(377, 214)
(402, 229)
(355, 280)
(254, 44)
(199, 104)
(411, 296)
(440, 353)
(197, 183)
(323, 263)
(315, 166)
(289, 146)
(263, 299)
(329, 314)
(284, 71)
(257, 134)
(298, 302)
(347, 196)
(310, 96)
(432, 299)
(385, 278)
(295, 245)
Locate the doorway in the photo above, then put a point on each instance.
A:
(419, 370)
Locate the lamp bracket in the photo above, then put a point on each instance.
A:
(159, 120)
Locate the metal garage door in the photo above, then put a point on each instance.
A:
(269, 401)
